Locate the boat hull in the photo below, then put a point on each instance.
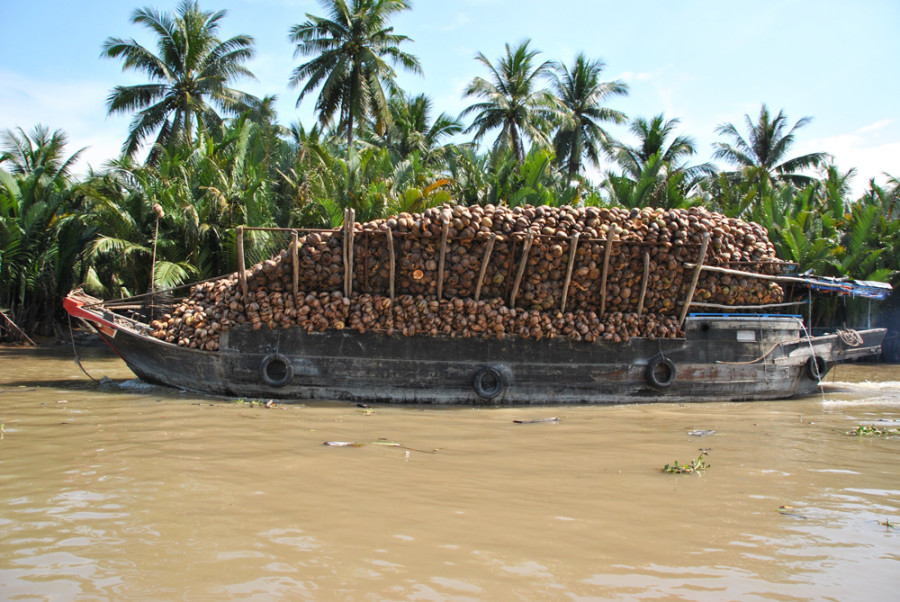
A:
(719, 359)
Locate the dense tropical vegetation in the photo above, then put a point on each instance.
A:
(217, 158)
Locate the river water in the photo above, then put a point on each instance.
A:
(126, 491)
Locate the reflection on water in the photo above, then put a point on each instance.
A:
(128, 491)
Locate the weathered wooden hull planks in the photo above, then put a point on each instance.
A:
(721, 358)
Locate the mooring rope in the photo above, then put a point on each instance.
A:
(850, 337)
(75, 351)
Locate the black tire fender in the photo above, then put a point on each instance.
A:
(276, 370)
(488, 382)
(816, 367)
(660, 372)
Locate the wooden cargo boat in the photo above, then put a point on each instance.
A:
(721, 357)
(698, 357)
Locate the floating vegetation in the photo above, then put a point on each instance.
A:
(266, 403)
(870, 430)
(694, 466)
(886, 523)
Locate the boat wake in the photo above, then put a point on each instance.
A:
(884, 393)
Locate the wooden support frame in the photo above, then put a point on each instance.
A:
(485, 260)
(644, 282)
(445, 234)
(573, 248)
(526, 248)
(242, 268)
(610, 238)
(392, 274)
(698, 267)
(349, 219)
(295, 256)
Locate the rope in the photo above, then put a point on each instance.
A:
(75, 351)
(850, 337)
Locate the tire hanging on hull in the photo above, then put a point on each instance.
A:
(660, 372)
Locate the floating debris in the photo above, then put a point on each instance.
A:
(701, 433)
(384, 442)
(539, 420)
(789, 511)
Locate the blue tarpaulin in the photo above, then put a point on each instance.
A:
(867, 289)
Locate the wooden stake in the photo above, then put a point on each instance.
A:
(521, 272)
(242, 269)
(694, 279)
(349, 218)
(393, 266)
(489, 248)
(20, 331)
(295, 250)
(610, 236)
(644, 280)
(573, 246)
(445, 233)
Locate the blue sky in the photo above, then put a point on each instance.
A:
(704, 62)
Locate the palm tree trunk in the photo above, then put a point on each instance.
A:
(517, 145)
(349, 135)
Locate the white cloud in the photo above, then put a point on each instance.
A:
(875, 127)
(863, 149)
(632, 76)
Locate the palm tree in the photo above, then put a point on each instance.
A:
(41, 228)
(653, 139)
(413, 131)
(40, 152)
(189, 75)
(762, 156)
(581, 95)
(351, 50)
(511, 100)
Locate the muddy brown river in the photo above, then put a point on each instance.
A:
(126, 491)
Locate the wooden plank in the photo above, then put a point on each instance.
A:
(485, 260)
(529, 239)
(573, 247)
(610, 237)
(746, 307)
(694, 279)
(731, 272)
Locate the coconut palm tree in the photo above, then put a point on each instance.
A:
(412, 130)
(512, 100)
(762, 155)
(654, 138)
(189, 75)
(581, 95)
(351, 51)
